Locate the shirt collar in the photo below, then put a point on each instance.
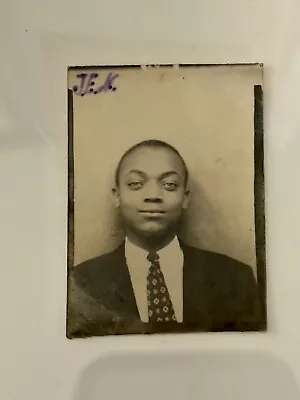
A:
(172, 251)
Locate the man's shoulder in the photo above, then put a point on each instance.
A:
(215, 262)
(101, 259)
(101, 265)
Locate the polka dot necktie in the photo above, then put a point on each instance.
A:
(160, 308)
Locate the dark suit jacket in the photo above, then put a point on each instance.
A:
(219, 294)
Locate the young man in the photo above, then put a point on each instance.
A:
(154, 282)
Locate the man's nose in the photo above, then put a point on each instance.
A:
(153, 193)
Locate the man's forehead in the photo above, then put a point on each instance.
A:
(149, 158)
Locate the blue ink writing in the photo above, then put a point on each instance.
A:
(87, 84)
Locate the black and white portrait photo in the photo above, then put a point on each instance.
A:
(166, 200)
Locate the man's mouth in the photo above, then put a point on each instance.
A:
(152, 213)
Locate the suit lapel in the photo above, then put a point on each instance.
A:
(196, 297)
(122, 296)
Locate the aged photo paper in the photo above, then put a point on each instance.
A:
(166, 229)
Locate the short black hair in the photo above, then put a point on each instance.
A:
(150, 143)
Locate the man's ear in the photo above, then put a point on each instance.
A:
(116, 195)
(186, 199)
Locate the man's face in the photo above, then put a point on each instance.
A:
(152, 191)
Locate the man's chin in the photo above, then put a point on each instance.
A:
(152, 230)
(153, 233)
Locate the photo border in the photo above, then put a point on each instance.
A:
(259, 195)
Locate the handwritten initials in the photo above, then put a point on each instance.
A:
(87, 84)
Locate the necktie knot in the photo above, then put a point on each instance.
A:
(153, 257)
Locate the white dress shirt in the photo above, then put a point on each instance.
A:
(171, 264)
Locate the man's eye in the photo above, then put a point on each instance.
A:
(170, 185)
(135, 185)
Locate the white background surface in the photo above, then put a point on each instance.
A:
(38, 40)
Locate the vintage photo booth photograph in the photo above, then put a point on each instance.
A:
(165, 200)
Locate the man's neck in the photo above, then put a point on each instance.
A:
(150, 244)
